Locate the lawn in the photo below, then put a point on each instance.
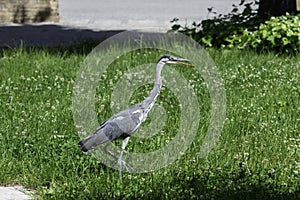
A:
(257, 156)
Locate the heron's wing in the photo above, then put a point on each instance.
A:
(129, 120)
(119, 125)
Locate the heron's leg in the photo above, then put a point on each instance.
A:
(120, 161)
(106, 151)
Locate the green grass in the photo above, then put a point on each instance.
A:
(257, 156)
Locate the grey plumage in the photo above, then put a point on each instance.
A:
(125, 122)
(120, 125)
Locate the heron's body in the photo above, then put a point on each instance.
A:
(120, 125)
(126, 122)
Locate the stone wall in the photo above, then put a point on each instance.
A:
(28, 11)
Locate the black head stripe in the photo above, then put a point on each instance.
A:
(166, 56)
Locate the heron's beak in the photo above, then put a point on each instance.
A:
(183, 61)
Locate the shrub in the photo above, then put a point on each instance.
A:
(216, 31)
(245, 30)
(280, 34)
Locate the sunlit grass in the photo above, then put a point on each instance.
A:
(257, 156)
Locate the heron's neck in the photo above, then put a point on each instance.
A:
(151, 99)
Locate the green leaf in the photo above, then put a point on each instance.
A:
(271, 38)
(207, 40)
(285, 41)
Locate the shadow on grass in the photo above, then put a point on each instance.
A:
(219, 187)
(238, 188)
(198, 189)
(48, 35)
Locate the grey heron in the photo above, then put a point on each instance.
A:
(123, 124)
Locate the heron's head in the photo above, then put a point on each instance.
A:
(169, 59)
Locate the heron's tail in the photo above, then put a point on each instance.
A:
(88, 144)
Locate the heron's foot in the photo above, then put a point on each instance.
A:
(122, 163)
(127, 166)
